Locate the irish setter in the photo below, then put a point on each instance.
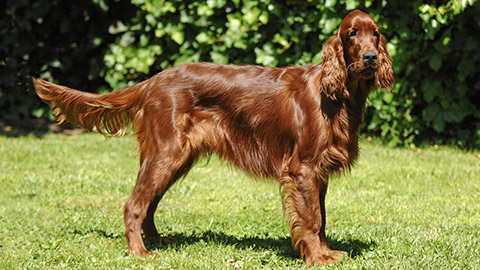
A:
(296, 124)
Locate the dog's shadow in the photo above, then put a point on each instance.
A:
(282, 246)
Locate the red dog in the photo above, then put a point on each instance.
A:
(297, 124)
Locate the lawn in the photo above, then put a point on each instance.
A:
(61, 206)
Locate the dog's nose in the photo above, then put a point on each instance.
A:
(370, 57)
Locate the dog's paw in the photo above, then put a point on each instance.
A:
(327, 257)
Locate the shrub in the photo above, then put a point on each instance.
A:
(433, 46)
(437, 94)
(62, 41)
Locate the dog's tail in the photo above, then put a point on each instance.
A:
(111, 113)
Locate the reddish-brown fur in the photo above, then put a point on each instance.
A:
(296, 124)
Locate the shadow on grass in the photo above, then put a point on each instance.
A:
(100, 232)
(353, 247)
(283, 246)
(37, 128)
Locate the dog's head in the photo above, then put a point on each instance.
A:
(357, 51)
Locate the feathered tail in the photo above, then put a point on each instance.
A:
(112, 113)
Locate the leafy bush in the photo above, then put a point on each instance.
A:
(433, 48)
(166, 33)
(436, 95)
(62, 41)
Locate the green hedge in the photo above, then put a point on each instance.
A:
(59, 40)
(436, 96)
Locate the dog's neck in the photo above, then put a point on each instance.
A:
(358, 91)
(359, 88)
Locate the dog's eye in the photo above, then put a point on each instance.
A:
(353, 33)
(375, 33)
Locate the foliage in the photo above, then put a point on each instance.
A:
(433, 45)
(166, 33)
(436, 97)
(62, 41)
(61, 206)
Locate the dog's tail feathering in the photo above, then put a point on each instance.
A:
(111, 113)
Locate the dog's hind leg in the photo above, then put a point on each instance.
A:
(149, 230)
(156, 175)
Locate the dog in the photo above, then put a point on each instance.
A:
(299, 125)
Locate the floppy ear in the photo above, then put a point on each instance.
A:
(333, 75)
(384, 77)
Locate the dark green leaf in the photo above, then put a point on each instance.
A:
(435, 61)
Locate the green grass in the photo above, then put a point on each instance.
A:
(61, 200)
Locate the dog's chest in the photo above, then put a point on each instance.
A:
(339, 146)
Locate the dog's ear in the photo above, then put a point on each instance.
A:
(333, 75)
(384, 77)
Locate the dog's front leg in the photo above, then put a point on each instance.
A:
(303, 195)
